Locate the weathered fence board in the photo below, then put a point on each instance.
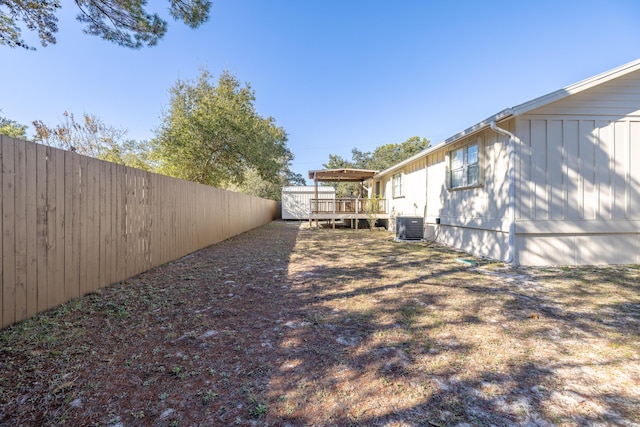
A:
(82, 225)
(71, 224)
(8, 234)
(57, 157)
(21, 229)
(41, 227)
(32, 227)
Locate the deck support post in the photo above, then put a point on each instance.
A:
(315, 185)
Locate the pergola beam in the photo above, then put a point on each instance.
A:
(341, 175)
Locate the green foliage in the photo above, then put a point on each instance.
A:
(388, 155)
(124, 22)
(259, 411)
(382, 158)
(209, 397)
(213, 135)
(254, 185)
(344, 189)
(38, 16)
(14, 131)
(371, 208)
(89, 136)
(130, 153)
(92, 137)
(12, 128)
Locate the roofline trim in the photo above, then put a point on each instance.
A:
(521, 109)
(478, 127)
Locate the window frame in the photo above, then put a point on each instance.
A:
(397, 188)
(458, 176)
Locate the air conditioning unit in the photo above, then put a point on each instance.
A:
(409, 228)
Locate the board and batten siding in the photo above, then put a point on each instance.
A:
(578, 180)
(578, 190)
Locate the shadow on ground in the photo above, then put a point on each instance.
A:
(290, 326)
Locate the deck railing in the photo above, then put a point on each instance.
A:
(348, 206)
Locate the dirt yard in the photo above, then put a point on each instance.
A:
(286, 326)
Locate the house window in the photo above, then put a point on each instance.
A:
(464, 166)
(396, 190)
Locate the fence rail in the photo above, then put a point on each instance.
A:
(71, 224)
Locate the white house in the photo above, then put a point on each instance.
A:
(555, 180)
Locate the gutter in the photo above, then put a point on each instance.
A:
(478, 127)
(512, 189)
(522, 109)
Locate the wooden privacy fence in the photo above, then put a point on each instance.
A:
(72, 224)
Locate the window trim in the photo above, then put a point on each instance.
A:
(400, 193)
(465, 167)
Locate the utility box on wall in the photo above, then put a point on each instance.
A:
(409, 227)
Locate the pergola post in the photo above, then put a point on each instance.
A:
(342, 175)
(315, 191)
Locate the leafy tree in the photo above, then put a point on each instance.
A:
(293, 178)
(346, 189)
(124, 22)
(382, 158)
(254, 185)
(130, 153)
(12, 128)
(388, 155)
(212, 134)
(92, 137)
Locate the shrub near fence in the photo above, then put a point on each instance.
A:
(72, 224)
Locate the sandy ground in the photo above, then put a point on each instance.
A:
(286, 326)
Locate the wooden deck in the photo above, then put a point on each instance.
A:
(343, 208)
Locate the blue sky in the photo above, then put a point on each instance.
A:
(335, 74)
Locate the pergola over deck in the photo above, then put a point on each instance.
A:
(345, 208)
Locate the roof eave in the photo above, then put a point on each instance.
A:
(521, 109)
(576, 88)
(478, 127)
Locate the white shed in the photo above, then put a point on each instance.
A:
(296, 200)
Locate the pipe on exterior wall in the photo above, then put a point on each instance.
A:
(426, 193)
(512, 189)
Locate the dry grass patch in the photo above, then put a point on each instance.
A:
(290, 326)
